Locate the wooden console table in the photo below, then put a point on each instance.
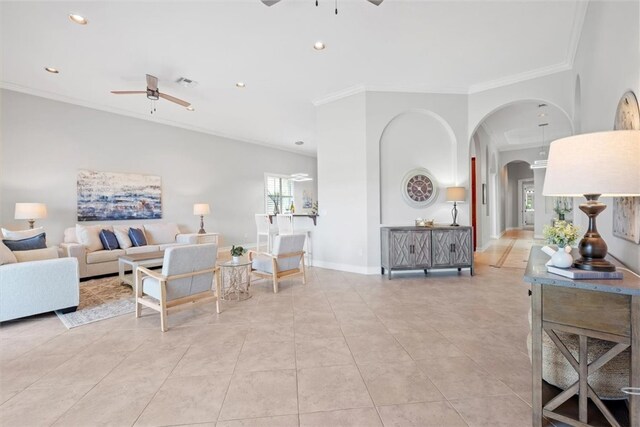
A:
(605, 309)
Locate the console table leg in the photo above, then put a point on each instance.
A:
(536, 353)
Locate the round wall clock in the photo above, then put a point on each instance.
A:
(419, 188)
(628, 113)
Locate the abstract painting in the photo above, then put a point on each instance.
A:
(626, 218)
(118, 196)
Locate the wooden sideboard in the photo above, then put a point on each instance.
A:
(425, 248)
(604, 309)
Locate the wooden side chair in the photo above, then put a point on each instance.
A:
(286, 259)
(188, 274)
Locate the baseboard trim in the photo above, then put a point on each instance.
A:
(349, 268)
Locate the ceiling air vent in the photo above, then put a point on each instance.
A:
(186, 82)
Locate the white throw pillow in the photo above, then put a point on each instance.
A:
(158, 233)
(21, 234)
(70, 235)
(89, 236)
(6, 256)
(37, 254)
(122, 235)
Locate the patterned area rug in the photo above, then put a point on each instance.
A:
(100, 299)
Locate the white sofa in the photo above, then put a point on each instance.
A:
(33, 287)
(96, 262)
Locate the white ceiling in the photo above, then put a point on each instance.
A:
(452, 46)
(517, 126)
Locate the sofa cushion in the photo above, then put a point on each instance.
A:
(35, 242)
(122, 234)
(104, 256)
(108, 240)
(142, 249)
(159, 233)
(6, 256)
(21, 234)
(89, 236)
(137, 237)
(37, 254)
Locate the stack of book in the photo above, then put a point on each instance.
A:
(574, 273)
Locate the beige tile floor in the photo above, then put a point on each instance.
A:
(344, 350)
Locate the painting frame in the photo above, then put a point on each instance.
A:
(626, 218)
(115, 196)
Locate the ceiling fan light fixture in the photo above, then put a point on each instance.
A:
(190, 108)
(78, 19)
(52, 70)
(319, 45)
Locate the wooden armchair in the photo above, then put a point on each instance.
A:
(286, 260)
(187, 276)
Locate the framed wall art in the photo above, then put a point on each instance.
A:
(626, 210)
(110, 196)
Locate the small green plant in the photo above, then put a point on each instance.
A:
(237, 250)
(561, 234)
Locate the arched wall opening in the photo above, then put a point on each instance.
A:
(515, 131)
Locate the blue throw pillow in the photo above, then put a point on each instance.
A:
(108, 239)
(35, 242)
(137, 237)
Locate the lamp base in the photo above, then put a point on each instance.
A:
(454, 214)
(594, 264)
(31, 222)
(201, 231)
(454, 225)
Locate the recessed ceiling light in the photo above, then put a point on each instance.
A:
(78, 19)
(240, 85)
(190, 108)
(299, 142)
(319, 45)
(52, 70)
(542, 115)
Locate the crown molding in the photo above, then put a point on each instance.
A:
(334, 96)
(95, 106)
(576, 30)
(520, 77)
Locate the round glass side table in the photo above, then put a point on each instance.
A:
(235, 278)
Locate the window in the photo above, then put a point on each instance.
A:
(278, 190)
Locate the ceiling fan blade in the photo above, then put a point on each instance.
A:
(174, 99)
(269, 2)
(152, 82)
(376, 2)
(127, 92)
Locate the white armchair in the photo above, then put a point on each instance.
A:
(286, 259)
(188, 274)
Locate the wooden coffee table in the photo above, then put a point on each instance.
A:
(146, 259)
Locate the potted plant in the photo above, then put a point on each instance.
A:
(563, 235)
(236, 253)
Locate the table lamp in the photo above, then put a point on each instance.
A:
(30, 212)
(595, 164)
(201, 209)
(455, 195)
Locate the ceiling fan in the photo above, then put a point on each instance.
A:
(272, 2)
(153, 93)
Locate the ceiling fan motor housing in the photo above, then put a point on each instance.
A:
(154, 95)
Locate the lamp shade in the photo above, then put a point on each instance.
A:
(456, 194)
(30, 211)
(201, 209)
(605, 163)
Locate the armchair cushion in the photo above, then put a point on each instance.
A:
(37, 254)
(35, 242)
(262, 263)
(287, 244)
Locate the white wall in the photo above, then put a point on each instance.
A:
(341, 238)
(608, 63)
(45, 142)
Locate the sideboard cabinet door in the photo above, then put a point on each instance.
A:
(441, 247)
(462, 248)
(400, 247)
(422, 249)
